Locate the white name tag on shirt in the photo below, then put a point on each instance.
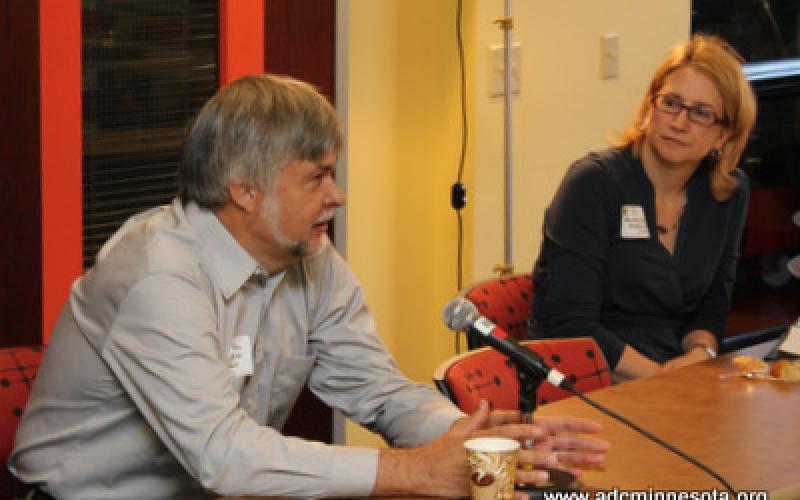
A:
(633, 225)
(241, 356)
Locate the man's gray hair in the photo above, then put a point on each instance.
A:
(249, 130)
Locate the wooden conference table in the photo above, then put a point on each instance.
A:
(748, 431)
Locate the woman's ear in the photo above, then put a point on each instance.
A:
(244, 196)
(647, 115)
(725, 134)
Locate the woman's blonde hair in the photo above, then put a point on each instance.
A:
(719, 62)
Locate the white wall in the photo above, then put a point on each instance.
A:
(564, 108)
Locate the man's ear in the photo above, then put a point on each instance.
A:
(244, 196)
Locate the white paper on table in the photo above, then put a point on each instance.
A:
(791, 344)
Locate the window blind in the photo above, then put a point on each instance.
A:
(148, 66)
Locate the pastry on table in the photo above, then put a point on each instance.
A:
(749, 364)
(785, 369)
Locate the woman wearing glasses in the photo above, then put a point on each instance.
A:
(641, 241)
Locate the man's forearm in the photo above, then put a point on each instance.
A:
(398, 473)
(438, 468)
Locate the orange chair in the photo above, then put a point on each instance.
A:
(505, 301)
(18, 367)
(487, 374)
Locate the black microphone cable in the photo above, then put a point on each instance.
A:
(708, 470)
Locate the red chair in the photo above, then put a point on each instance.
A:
(505, 301)
(487, 374)
(18, 367)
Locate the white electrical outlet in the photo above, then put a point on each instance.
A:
(497, 61)
(609, 56)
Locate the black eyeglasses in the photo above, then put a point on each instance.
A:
(701, 114)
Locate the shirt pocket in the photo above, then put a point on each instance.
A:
(291, 375)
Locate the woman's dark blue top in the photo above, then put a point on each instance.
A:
(591, 281)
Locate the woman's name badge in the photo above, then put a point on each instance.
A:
(241, 356)
(634, 224)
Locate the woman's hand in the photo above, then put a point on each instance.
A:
(695, 355)
(693, 343)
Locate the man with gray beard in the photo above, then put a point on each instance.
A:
(179, 356)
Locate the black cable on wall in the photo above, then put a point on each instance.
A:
(458, 192)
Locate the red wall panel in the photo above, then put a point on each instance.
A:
(241, 39)
(61, 154)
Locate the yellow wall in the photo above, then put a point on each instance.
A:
(403, 126)
(403, 145)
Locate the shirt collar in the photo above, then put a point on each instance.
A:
(226, 261)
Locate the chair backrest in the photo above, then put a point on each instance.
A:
(505, 301)
(18, 367)
(487, 374)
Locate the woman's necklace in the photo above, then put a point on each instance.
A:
(664, 230)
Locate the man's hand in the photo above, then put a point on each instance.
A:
(440, 468)
(556, 443)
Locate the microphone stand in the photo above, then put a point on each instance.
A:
(560, 480)
(528, 385)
